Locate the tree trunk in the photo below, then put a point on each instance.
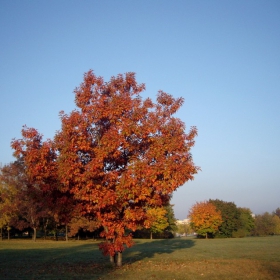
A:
(34, 234)
(206, 235)
(66, 232)
(1, 233)
(116, 259)
(151, 235)
(119, 259)
(8, 233)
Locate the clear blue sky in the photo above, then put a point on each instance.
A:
(223, 57)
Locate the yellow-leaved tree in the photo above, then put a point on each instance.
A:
(157, 220)
(205, 218)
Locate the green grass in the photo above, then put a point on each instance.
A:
(185, 258)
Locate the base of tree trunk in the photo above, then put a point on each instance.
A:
(116, 259)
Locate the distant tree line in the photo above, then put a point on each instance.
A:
(26, 208)
(217, 218)
(267, 224)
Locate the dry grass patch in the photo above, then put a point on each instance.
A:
(213, 269)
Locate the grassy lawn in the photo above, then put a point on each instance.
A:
(184, 258)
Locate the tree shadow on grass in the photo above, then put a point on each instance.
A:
(75, 260)
(151, 248)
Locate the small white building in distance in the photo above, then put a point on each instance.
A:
(185, 221)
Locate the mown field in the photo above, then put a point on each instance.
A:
(180, 258)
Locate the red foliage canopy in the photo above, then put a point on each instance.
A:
(120, 154)
(117, 154)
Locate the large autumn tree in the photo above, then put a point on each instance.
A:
(205, 219)
(121, 155)
(118, 155)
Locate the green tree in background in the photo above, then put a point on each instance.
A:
(246, 223)
(172, 226)
(230, 216)
(277, 212)
(266, 224)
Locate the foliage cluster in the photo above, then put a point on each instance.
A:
(237, 221)
(163, 226)
(205, 218)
